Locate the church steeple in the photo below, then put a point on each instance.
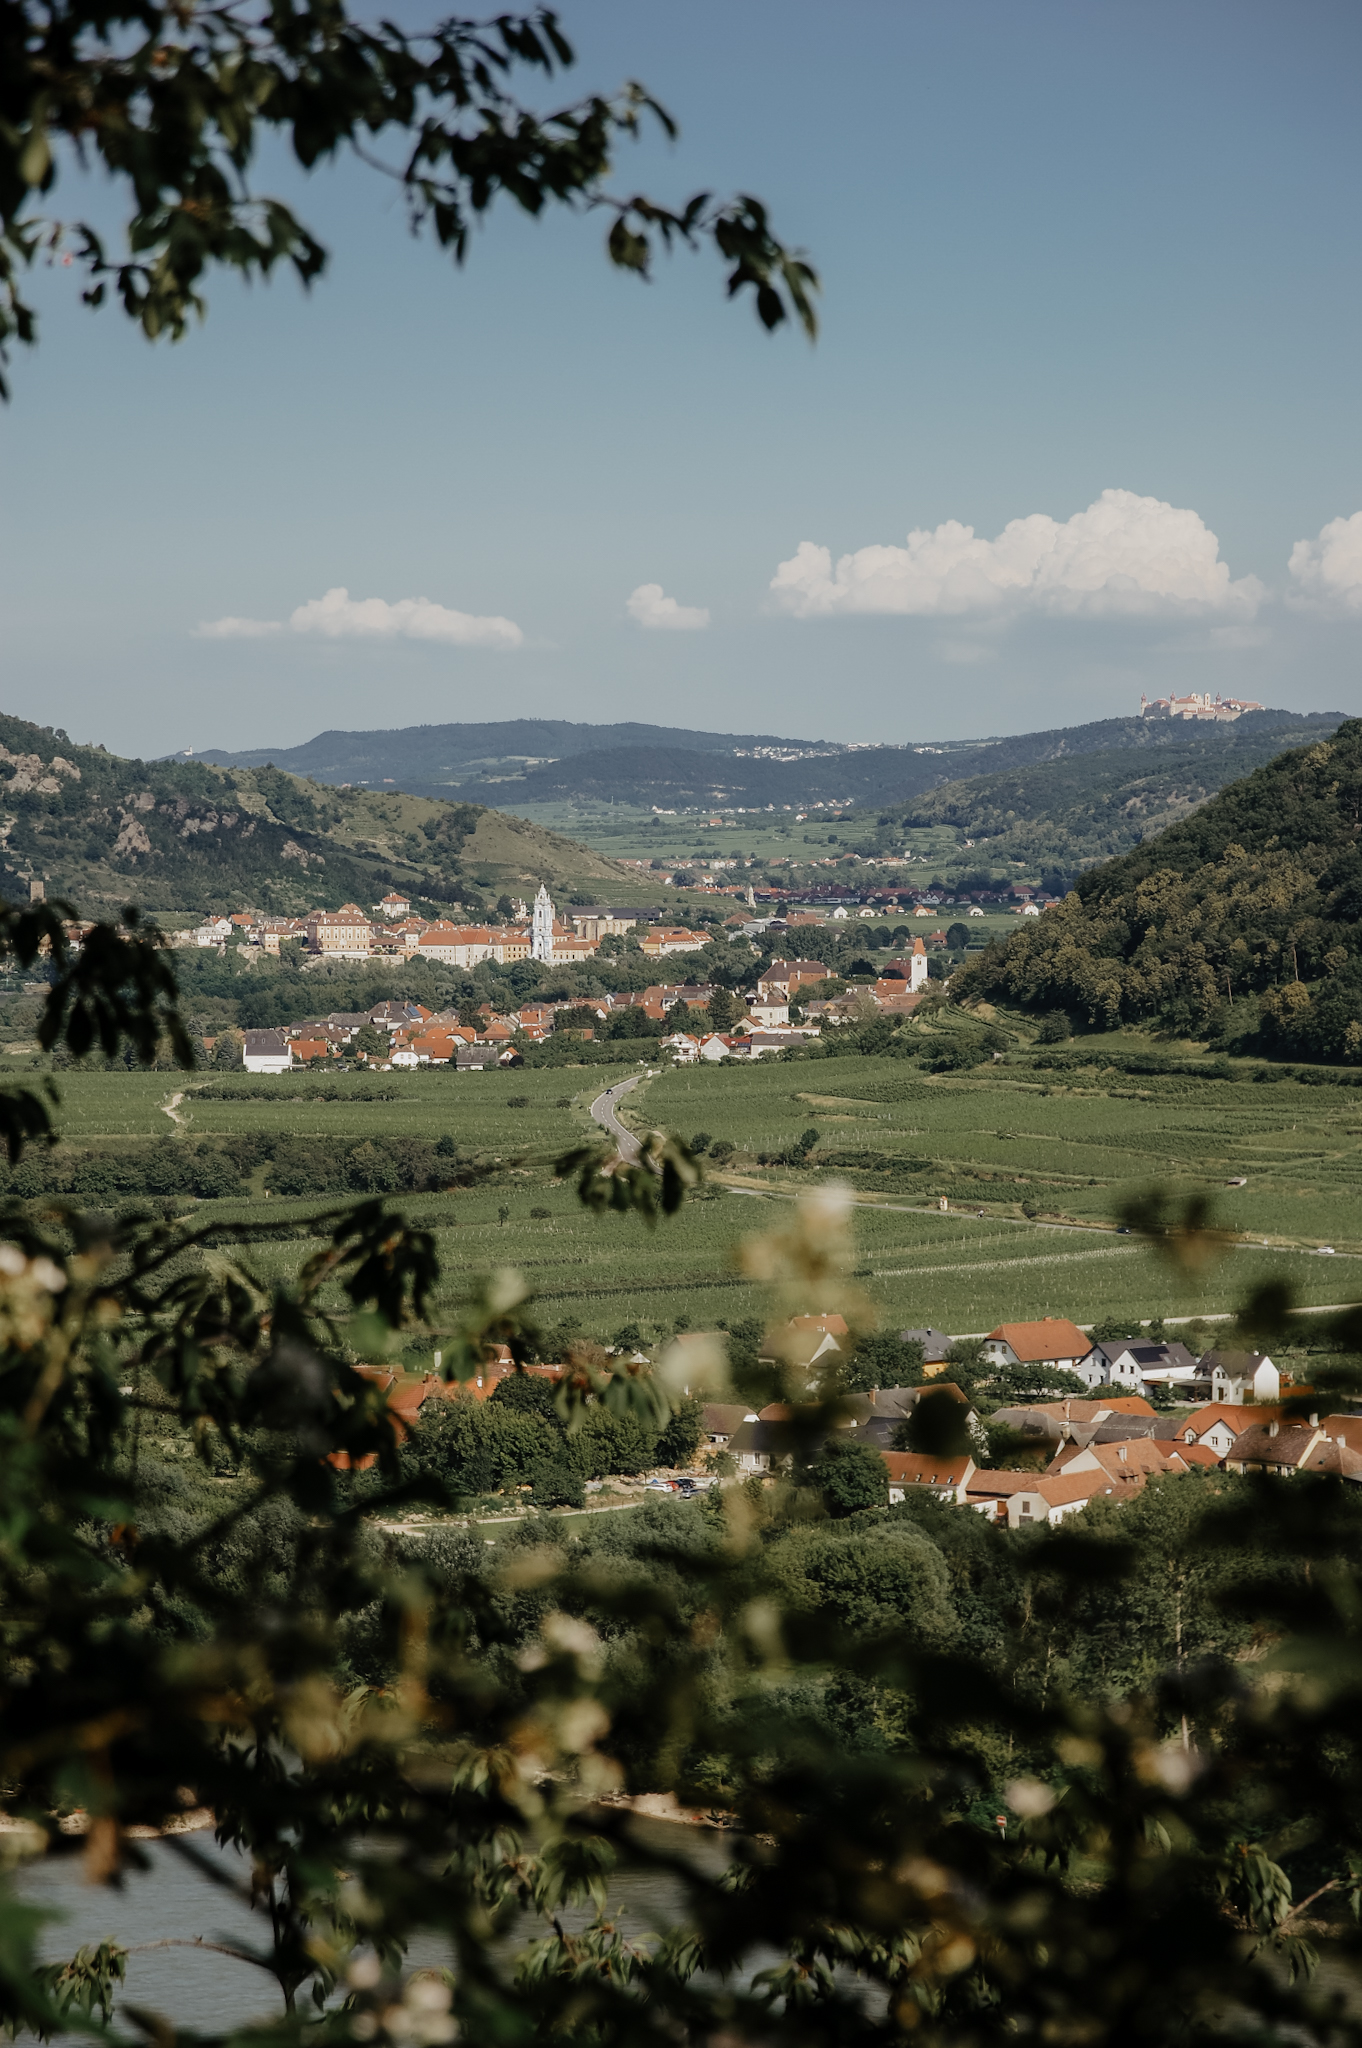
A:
(541, 934)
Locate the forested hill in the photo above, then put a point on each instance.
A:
(1240, 923)
(872, 776)
(522, 761)
(183, 836)
(435, 756)
(1084, 807)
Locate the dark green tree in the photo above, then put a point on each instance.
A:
(849, 1475)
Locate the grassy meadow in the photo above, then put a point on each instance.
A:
(1070, 1148)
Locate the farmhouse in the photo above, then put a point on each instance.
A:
(266, 1052)
(1052, 1341)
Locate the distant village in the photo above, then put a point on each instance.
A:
(1139, 1411)
(780, 1010)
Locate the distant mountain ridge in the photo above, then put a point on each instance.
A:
(438, 754)
(525, 761)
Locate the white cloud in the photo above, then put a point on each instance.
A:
(657, 612)
(1126, 555)
(341, 617)
(236, 629)
(1327, 571)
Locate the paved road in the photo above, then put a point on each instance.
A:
(603, 1110)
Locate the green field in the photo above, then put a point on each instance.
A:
(632, 832)
(1072, 1147)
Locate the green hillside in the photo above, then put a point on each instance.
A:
(1239, 924)
(181, 835)
(1087, 807)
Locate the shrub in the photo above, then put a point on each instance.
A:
(557, 1486)
(539, 1215)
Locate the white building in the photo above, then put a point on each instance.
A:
(917, 967)
(541, 929)
(1239, 1376)
(266, 1052)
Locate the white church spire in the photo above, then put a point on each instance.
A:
(541, 938)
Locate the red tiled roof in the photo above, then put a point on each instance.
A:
(1053, 1337)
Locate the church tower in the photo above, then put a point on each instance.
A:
(541, 938)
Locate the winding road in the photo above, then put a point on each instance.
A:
(603, 1111)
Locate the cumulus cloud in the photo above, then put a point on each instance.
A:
(338, 616)
(1326, 572)
(659, 613)
(236, 629)
(1125, 555)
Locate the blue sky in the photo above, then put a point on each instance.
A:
(1067, 251)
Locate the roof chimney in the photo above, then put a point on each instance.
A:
(1273, 1427)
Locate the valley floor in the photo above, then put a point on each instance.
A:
(1071, 1147)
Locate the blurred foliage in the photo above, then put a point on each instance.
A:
(172, 103)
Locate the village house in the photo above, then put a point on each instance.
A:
(935, 1348)
(266, 1052)
(396, 1016)
(663, 940)
(392, 906)
(1219, 1423)
(1120, 1460)
(1119, 1362)
(1238, 1376)
(1056, 1495)
(755, 1443)
(1279, 1448)
(721, 1420)
(1053, 1341)
(304, 1050)
(719, 1045)
(947, 1478)
(399, 941)
(784, 978)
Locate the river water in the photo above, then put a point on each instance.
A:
(197, 1988)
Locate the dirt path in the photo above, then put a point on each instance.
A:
(172, 1108)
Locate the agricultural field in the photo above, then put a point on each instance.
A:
(1070, 1147)
(631, 832)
